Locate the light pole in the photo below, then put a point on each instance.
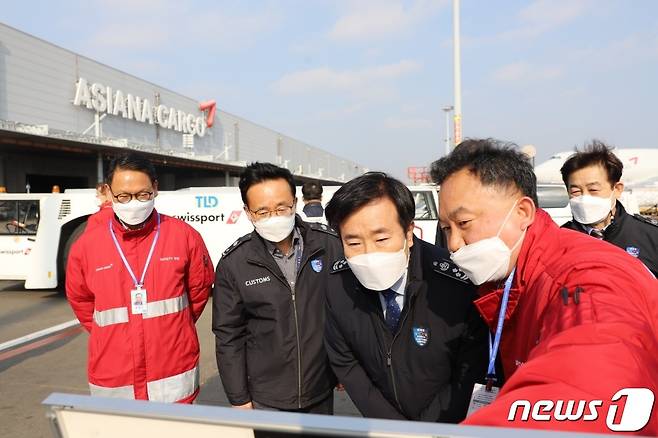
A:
(457, 72)
(447, 110)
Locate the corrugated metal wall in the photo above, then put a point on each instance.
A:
(37, 87)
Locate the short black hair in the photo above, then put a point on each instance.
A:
(312, 190)
(365, 189)
(593, 153)
(494, 162)
(131, 161)
(256, 173)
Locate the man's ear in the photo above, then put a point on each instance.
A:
(526, 209)
(409, 235)
(155, 188)
(618, 189)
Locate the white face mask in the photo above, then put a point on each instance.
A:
(275, 228)
(379, 270)
(487, 259)
(589, 210)
(134, 212)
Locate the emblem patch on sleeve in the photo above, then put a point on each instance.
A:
(339, 265)
(449, 269)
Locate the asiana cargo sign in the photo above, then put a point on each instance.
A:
(103, 99)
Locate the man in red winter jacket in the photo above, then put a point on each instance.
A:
(138, 283)
(575, 319)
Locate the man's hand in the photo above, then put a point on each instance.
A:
(340, 387)
(248, 405)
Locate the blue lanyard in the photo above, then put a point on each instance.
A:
(493, 349)
(148, 259)
(298, 260)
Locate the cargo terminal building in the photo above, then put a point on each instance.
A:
(64, 116)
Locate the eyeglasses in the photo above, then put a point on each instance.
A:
(124, 198)
(264, 213)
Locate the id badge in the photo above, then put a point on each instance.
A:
(138, 301)
(481, 397)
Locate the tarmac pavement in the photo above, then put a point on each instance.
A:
(58, 363)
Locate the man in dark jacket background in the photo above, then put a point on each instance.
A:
(402, 333)
(312, 197)
(593, 180)
(268, 302)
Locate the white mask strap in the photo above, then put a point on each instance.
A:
(509, 213)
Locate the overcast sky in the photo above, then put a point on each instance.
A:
(367, 79)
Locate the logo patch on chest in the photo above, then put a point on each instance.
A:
(316, 265)
(633, 250)
(421, 335)
(257, 281)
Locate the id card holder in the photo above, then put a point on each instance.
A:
(138, 301)
(481, 397)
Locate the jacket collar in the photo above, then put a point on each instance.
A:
(415, 269)
(310, 238)
(121, 230)
(617, 221)
(532, 249)
(413, 276)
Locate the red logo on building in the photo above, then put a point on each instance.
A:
(211, 107)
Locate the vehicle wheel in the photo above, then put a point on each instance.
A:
(66, 250)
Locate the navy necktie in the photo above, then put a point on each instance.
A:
(392, 310)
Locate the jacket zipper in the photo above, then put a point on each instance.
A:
(299, 344)
(389, 362)
(299, 352)
(294, 308)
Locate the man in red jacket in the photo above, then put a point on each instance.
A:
(575, 318)
(138, 283)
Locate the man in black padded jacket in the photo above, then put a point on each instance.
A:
(268, 302)
(402, 333)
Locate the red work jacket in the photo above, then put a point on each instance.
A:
(581, 325)
(154, 355)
